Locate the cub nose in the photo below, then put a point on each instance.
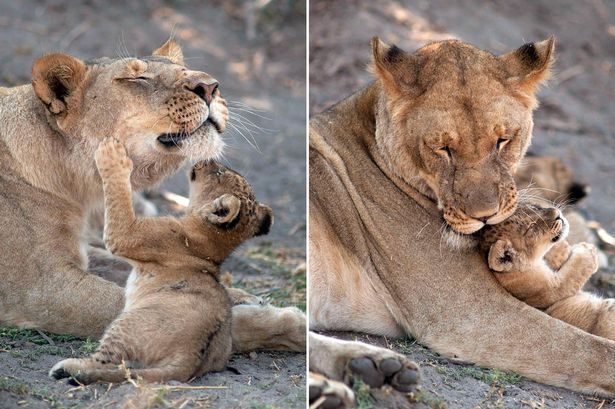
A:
(553, 214)
(205, 91)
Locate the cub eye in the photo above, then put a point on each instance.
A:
(502, 143)
(445, 150)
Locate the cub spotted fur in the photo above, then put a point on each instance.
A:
(533, 262)
(176, 323)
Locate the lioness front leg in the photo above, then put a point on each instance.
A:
(268, 327)
(344, 360)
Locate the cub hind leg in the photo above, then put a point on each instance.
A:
(88, 370)
(588, 312)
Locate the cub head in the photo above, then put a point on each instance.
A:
(224, 200)
(454, 121)
(523, 238)
(162, 111)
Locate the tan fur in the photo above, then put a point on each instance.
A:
(176, 323)
(49, 184)
(531, 262)
(381, 181)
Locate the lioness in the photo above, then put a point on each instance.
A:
(436, 138)
(49, 131)
(534, 263)
(177, 285)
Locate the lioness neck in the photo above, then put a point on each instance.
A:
(371, 105)
(41, 155)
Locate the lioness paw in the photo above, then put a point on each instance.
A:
(376, 371)
(111, 157)
(328, 394)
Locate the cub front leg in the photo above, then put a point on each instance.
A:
(558, 255)
(126, 235)
(115, 168)
(571, 277)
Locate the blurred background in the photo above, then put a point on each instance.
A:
(575, 122)
(257, 51)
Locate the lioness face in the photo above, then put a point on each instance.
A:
(524, 237)
(229, 200)
(459, 120)
(161, 111)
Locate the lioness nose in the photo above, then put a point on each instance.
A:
(205, 91)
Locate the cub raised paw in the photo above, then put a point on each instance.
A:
(111, 158)
(586, 254)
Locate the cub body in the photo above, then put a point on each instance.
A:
(532, 261)
(176, 322)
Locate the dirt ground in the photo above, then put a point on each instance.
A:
(576, 121)
(260, 63)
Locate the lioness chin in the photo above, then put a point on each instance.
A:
(436, 138)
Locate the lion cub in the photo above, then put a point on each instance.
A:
(534, 263)
(176, 323)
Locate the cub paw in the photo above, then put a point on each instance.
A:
(328, 394)
(111, 157)
(65, 369)
(586, 253)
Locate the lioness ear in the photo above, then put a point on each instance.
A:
(501, 256)
(55, 77)
(172, 50)
(264, 215)
(530, 65)
(393, 66)
(223, 211)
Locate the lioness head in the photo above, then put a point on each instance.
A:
(455, 121)
(523, 238)
(161, 111)
(225, 200)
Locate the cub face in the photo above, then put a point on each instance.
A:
(523, 238)
(226, 201)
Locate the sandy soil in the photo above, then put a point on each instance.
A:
(576, 121)
(264, 70)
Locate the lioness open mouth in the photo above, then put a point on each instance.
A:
(170, 140)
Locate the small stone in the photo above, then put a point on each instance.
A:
(253, 355)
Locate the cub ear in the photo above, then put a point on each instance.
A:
(264, 216)
(55, 77)
(501, 256)
(393, 66)
(223, 211)
(172, 50)
(530, 65)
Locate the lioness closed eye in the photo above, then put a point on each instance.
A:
(176, 323)
(532, 261)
